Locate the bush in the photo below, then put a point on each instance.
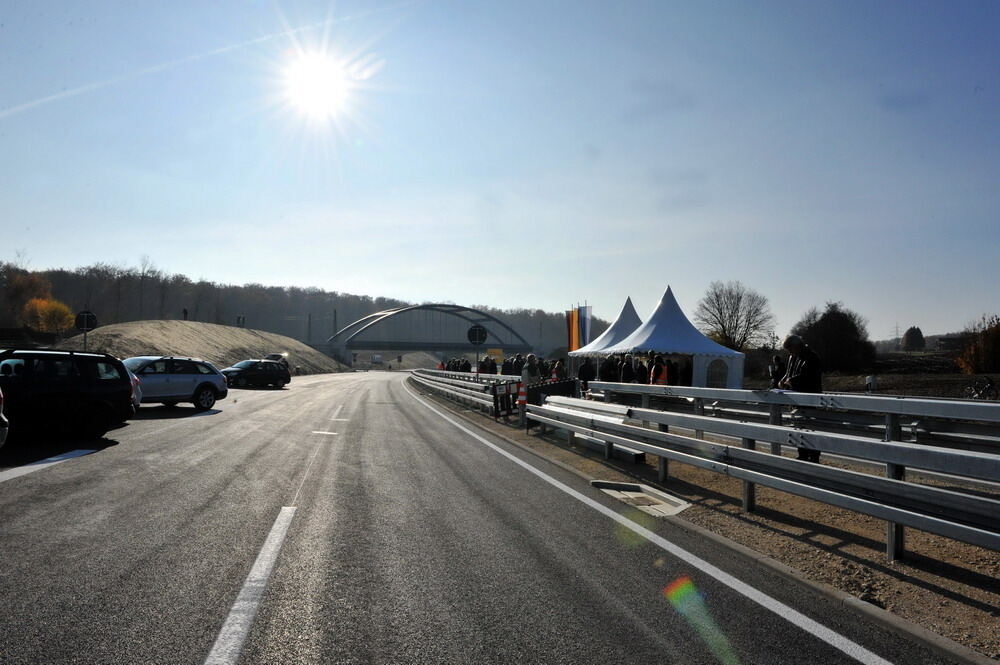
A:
(982, 351)
(47, 315)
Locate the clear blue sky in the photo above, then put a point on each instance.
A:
(520, 154)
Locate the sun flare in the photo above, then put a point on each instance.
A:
(317, 85)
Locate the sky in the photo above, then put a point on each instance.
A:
(517, 154)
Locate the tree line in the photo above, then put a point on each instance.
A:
(117, 294)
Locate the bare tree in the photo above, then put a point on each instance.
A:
(734, 315)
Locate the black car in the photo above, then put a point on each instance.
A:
(257, 373)
(82, 394)
(3, 422)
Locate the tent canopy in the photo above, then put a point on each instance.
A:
(667, 330)
(623, 326)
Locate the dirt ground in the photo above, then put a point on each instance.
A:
(945, 586)
(220, 345)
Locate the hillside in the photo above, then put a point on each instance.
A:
(221, 345)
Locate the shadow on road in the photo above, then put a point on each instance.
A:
(29, 449)
(171, 412)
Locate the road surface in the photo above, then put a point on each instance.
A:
(346, 520)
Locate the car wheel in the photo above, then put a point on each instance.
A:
(170, 404)
(280, 384)
(204, 399)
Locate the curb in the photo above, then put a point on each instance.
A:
(936, 643)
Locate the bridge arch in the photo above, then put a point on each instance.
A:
(435, 327)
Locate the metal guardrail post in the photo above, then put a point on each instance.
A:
(663, 464)
(644, 401)
(775, 419)
(607, 395)
(749, 488)
(699, 410)
(895, 535)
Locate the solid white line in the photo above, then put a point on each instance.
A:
(343, 420)
(229, 643)
(19, 471)
(328, 433)
(834, 639)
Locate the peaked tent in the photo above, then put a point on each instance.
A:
(668, 331)
(623, 326)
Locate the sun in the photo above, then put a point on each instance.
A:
(317, 85)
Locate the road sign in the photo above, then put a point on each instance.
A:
(86, 321)
(477, 334)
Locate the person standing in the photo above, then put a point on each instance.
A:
(531, 372)
(559, 369)
(659, 374)
(586, 373)
(805, 375)
(626, 371)
(776, 370)
(608, 370)
(641, 371)
(518, 366)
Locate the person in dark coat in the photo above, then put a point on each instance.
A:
(609, 370)
(626, 371)
(776, 370)
(805, 375)
(518, 364)
(586, 373)
(641, 371)
(506, 367)
(466, 365)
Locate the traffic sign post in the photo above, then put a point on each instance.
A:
(86, 321)
(477, 335)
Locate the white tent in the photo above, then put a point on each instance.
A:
(623, 326)
(668, 331)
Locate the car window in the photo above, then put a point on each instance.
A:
(244, 364)
(107, 371)
(52, 370)
(156, 367)
(204, 369)
(183, 367)
(12, 367)
(260, 366)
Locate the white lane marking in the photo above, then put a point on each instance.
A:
(834, 639)
(327, 433)
(19, 471)
(336, 412)
(343, 420)
(229, 643)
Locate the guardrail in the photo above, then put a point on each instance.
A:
(470, 377)
(966, 517)
(971, 425)
(496, 395)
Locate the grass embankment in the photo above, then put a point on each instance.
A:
(220, 345)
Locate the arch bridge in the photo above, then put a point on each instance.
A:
(439, 328)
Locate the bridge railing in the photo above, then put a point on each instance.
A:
(953, 513)
(472, 377)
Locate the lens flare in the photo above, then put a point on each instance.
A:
(686, 599)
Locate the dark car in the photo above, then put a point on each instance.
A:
(168, 380)
(4, 426)
(257, 373)
(82, 394)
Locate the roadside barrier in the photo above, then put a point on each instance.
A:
(494, 395)
(948, 512)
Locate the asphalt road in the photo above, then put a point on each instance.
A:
(343, 520)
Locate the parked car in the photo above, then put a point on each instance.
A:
(83, 394)
(257, 373)
(168, 380)
(4, 425)
(281, 358)
(136, 388)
